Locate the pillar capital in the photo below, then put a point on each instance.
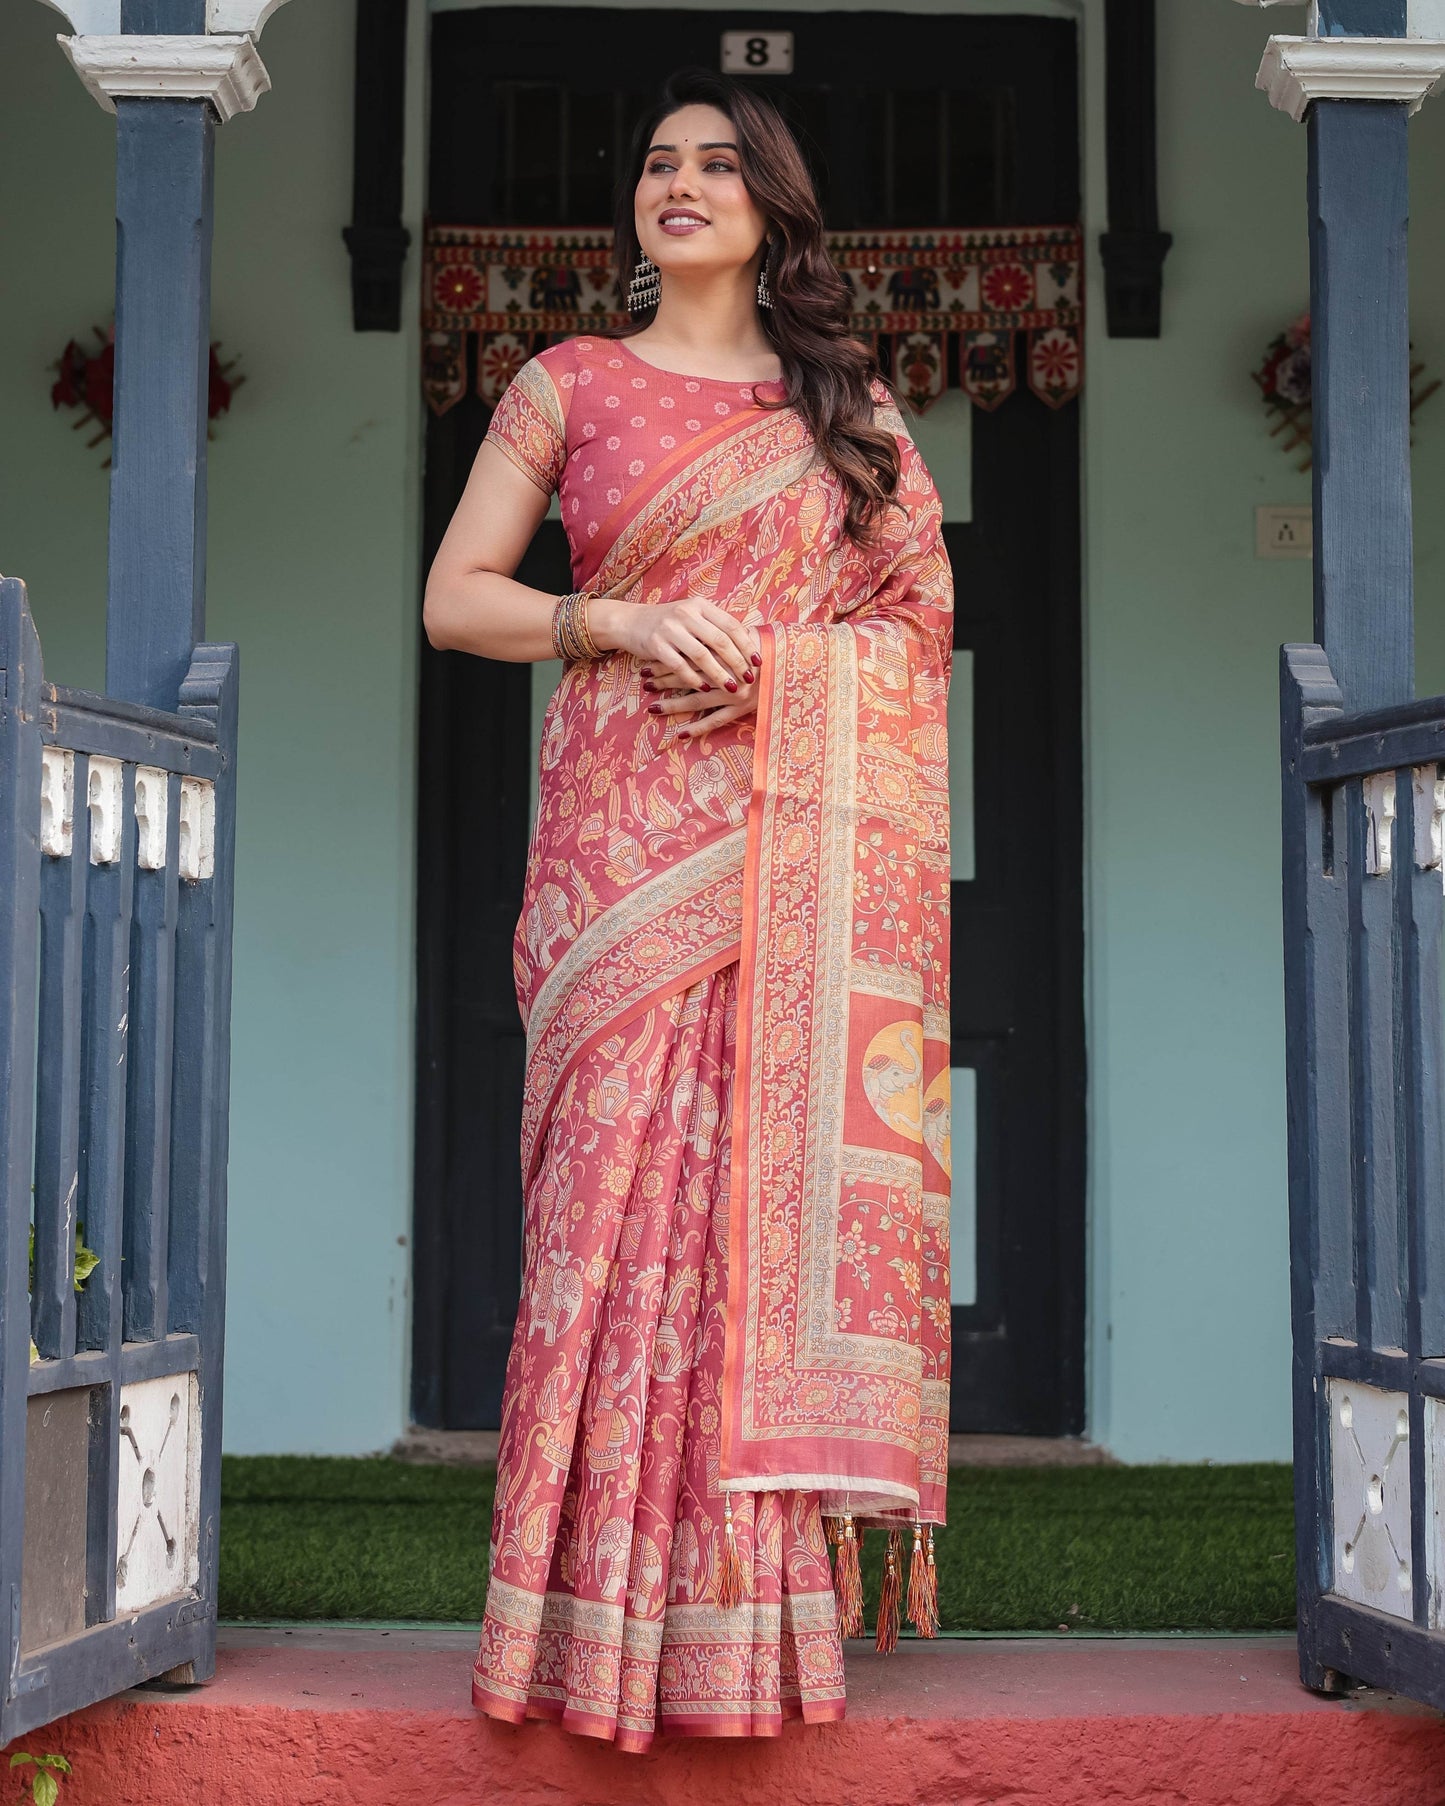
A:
(222, 68)
(1296, 71)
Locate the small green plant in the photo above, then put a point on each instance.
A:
(44, 1788)
(86, 1261)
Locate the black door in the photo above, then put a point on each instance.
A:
(910, 121)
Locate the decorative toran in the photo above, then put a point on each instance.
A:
(945, 309)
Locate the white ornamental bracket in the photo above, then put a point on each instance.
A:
(222, 66)
(1423, 18)
(1407, 70)
(1296, 71)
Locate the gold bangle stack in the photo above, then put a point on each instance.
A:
(571, 637)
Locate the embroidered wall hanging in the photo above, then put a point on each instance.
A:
(945, 309)
(86, 380)
(1285, 380)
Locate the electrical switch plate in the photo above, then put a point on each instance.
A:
(1283, 532)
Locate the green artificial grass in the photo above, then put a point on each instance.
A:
(1026, 1549)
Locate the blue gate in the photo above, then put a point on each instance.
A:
(1364, 803)
(116, 845)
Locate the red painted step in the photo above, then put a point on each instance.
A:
(357, 1717)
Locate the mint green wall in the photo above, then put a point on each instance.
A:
(1189, 1328)
(314, 569)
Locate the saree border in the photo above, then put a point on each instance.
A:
(606, 971)
(727, 492)
(754, 1454)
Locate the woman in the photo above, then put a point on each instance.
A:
(732, 964)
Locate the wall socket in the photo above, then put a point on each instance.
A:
(1283, 532)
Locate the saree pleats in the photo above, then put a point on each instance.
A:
(608, 1528)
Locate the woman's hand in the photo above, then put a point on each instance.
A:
(692, 644)
(722, 705)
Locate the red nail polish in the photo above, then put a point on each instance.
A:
(654, 708)
(731, 685)
(757, 658)
(649, 685)
(647, 670)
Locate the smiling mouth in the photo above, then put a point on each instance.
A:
(678, 220)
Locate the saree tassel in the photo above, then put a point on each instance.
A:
(730, 1588)
(886, 1640)
(923, 1585)
(848, 1581)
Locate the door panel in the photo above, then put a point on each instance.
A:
(908, 122)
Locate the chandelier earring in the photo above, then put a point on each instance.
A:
(645, 288)
(765, 294)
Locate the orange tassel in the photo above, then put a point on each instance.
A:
(848, 1582)
(730, 1588)
(832, 1532)
(923, 1585)
(887, 1639)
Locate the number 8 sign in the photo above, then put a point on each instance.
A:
(757, 52)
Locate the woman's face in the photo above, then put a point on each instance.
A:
(693, 211)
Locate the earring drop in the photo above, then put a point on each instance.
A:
(765, 294)
(645, 288)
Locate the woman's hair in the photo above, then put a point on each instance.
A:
(826, 371)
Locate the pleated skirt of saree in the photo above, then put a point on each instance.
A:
(608, 1532)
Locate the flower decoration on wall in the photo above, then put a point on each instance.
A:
(86, 380)
(1284, 384)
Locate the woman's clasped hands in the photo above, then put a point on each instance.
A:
(695, 656)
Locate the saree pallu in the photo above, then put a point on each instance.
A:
(732, 966)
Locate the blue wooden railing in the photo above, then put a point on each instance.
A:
(116, 847)
(1364, 805)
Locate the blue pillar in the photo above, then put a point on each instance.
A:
(1363, 18)
(156, 601)
(1358, 202)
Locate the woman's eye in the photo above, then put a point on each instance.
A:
(721, 167)
(659, 168)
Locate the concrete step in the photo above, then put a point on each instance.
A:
(365, 1716)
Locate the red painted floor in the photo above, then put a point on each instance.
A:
(362, 1717)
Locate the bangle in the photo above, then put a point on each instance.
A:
(571, 637)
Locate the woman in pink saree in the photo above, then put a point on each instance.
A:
(732, 965)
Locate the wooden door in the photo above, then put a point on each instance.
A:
(910, 121)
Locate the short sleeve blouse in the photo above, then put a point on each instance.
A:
(591, 420)
(529, 426)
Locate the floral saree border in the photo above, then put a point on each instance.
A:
(809, 1401)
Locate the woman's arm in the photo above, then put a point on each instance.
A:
(474, 604)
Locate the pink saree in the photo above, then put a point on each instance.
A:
(732, 964)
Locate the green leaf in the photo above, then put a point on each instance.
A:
(55, 1762)
(19, 1757)
(86, 1259)
(44, 1789)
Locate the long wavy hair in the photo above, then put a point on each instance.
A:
(826, 370)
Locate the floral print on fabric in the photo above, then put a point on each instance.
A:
(607, 1525)
(736, 1193)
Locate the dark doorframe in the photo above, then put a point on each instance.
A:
(912, 121)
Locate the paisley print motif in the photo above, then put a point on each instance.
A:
(732, 965)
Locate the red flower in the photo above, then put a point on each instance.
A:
(1008, 286)
(66, 391)
(218, 397)
(457, 288)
